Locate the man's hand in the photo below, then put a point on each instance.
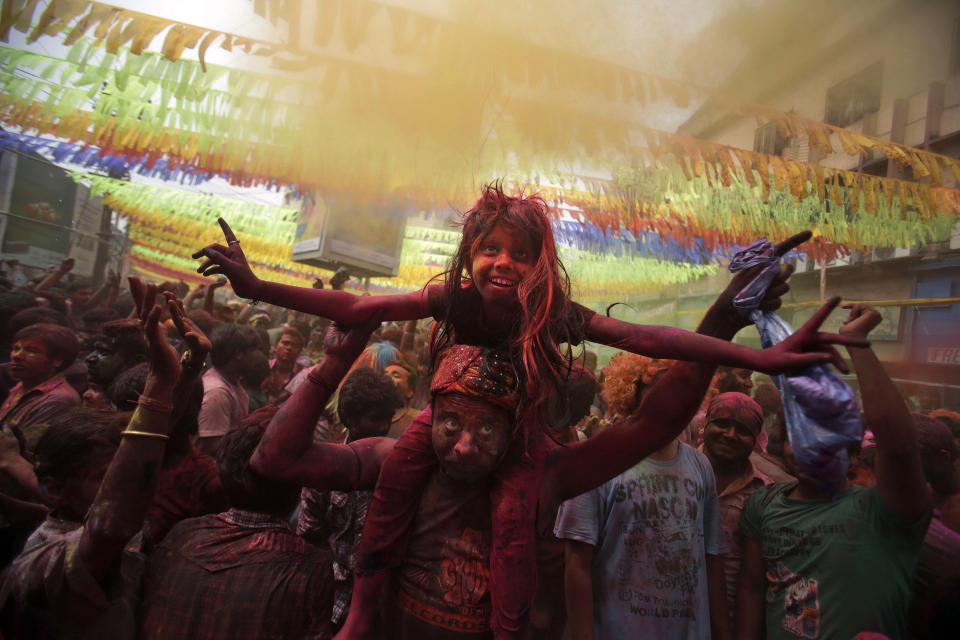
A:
(219, 282)
(723, 316)
(347, 343)
(66, 265)
(164, 361)
(198, 344)
(230, 261)
(862, 320)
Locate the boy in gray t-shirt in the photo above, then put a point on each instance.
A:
(644, 543)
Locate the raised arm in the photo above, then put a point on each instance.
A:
(101, 298)
(287, 451)
(900, 478)
(339, 306)
(796, 353)
(126, 490)
(209, 292)
(672, 402)
(192, 295)
(66, 265)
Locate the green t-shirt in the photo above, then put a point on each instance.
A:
(834, 567)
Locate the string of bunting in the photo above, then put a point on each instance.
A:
(694, 156)
(94, 159)
(593, 77)
(114, 26)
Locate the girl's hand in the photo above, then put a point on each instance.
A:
(808, 346)
(230, 261)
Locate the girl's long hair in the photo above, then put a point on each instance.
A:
(544, 294)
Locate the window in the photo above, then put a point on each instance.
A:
(767, 139)
(849, 100)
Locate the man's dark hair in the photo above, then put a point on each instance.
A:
(78, 283)
(100, 316)
(128, 336)
(12, 304)
(228, 339)
(367, 393)
(244, 487)
(36, 315)
(938, 453)
(124, 392)
(54, 300)
(74, 439)
(293, 332)
(61, 342)
(203, 320)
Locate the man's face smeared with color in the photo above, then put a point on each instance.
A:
(470, 436)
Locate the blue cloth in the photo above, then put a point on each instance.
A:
(821, 410)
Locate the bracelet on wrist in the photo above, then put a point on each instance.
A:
(154, 405)
(144, 434)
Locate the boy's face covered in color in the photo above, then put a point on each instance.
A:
(470, 436)
(503, 259)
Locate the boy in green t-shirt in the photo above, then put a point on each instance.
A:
(833, 568)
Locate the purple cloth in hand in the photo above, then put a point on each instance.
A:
(821, 410)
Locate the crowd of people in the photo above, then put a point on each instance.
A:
(176, 462)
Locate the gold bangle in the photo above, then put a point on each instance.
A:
(155, 405)
(144, 434)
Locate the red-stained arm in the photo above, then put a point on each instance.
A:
(797, 352)
(121, 503)
(669, 407)
(346, 308)
(900, 479)
(661, 416)
(66, 265)
(287, 451)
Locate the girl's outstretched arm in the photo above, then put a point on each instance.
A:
(339, 306)
(794, 354)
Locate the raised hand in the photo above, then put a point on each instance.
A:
(723, 312)
(198, 344)
(163, 358)
(230, 261)
(862, 320)
(808, 346)
(347, 343)
(66, 265)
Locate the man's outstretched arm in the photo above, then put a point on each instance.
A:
(287, 451)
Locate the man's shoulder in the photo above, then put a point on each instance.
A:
(765, 497)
